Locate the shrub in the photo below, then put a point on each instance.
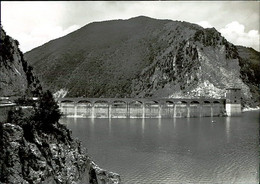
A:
(47, 111)
(25, 101)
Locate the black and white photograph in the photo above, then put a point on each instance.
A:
(129, 92)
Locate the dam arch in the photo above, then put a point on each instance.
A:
(101, 109)
(217, 108)
(119, 109)
(151, 109)
(206, 109)
(167, 109)
(136, 108)
(67, 107)
(84, 108)
(194, 109)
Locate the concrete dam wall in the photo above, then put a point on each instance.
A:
(141, 108)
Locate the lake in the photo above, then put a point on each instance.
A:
(180, 150)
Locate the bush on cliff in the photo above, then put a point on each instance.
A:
(44, 115)
(47, 110)
(25, 101)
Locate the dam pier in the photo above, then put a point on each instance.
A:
(152, 107)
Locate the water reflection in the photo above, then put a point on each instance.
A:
(188, 121)
(174, 123)
(159, 124)
(75, 120)
(177, 150)
(92, 126)
(143, 125)
(109, 125)
(227, 128)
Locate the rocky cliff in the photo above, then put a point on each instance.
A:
(34, 147)
(46, 157)
(16, 76)
(144, 57)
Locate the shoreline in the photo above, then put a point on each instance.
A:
(250, 109)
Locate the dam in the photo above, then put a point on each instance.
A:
(152, 107)
(230, 105)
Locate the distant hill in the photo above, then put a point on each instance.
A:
(144, 57)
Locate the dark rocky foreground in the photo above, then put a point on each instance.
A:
(46, 158)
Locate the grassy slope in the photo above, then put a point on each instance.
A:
(106, 55)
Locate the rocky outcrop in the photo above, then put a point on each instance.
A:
(16, 76)
(144, 57)
(202, 64)
(34, 147)
(28, 155)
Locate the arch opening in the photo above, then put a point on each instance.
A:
(101, 103)
(119, 103)
(169, 102)
(84, 101)
(135, 103)
(195, 102)
(151, 103)
(67, 101)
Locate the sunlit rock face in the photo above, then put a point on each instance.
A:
(145, 57)
(202, 63)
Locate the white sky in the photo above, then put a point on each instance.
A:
(35, 23)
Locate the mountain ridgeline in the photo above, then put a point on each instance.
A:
(145, 57)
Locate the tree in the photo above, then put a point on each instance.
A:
(47, 111)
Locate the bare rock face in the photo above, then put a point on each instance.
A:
(12, 76)
(194, 62)
(16, 76)
(46, 158)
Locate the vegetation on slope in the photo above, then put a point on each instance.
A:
(141, 57)
(250, 70)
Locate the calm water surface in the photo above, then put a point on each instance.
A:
(180, 150)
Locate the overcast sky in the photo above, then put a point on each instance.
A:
(35, 23)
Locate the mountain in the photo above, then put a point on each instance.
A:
(16, 76)
(145, 57)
